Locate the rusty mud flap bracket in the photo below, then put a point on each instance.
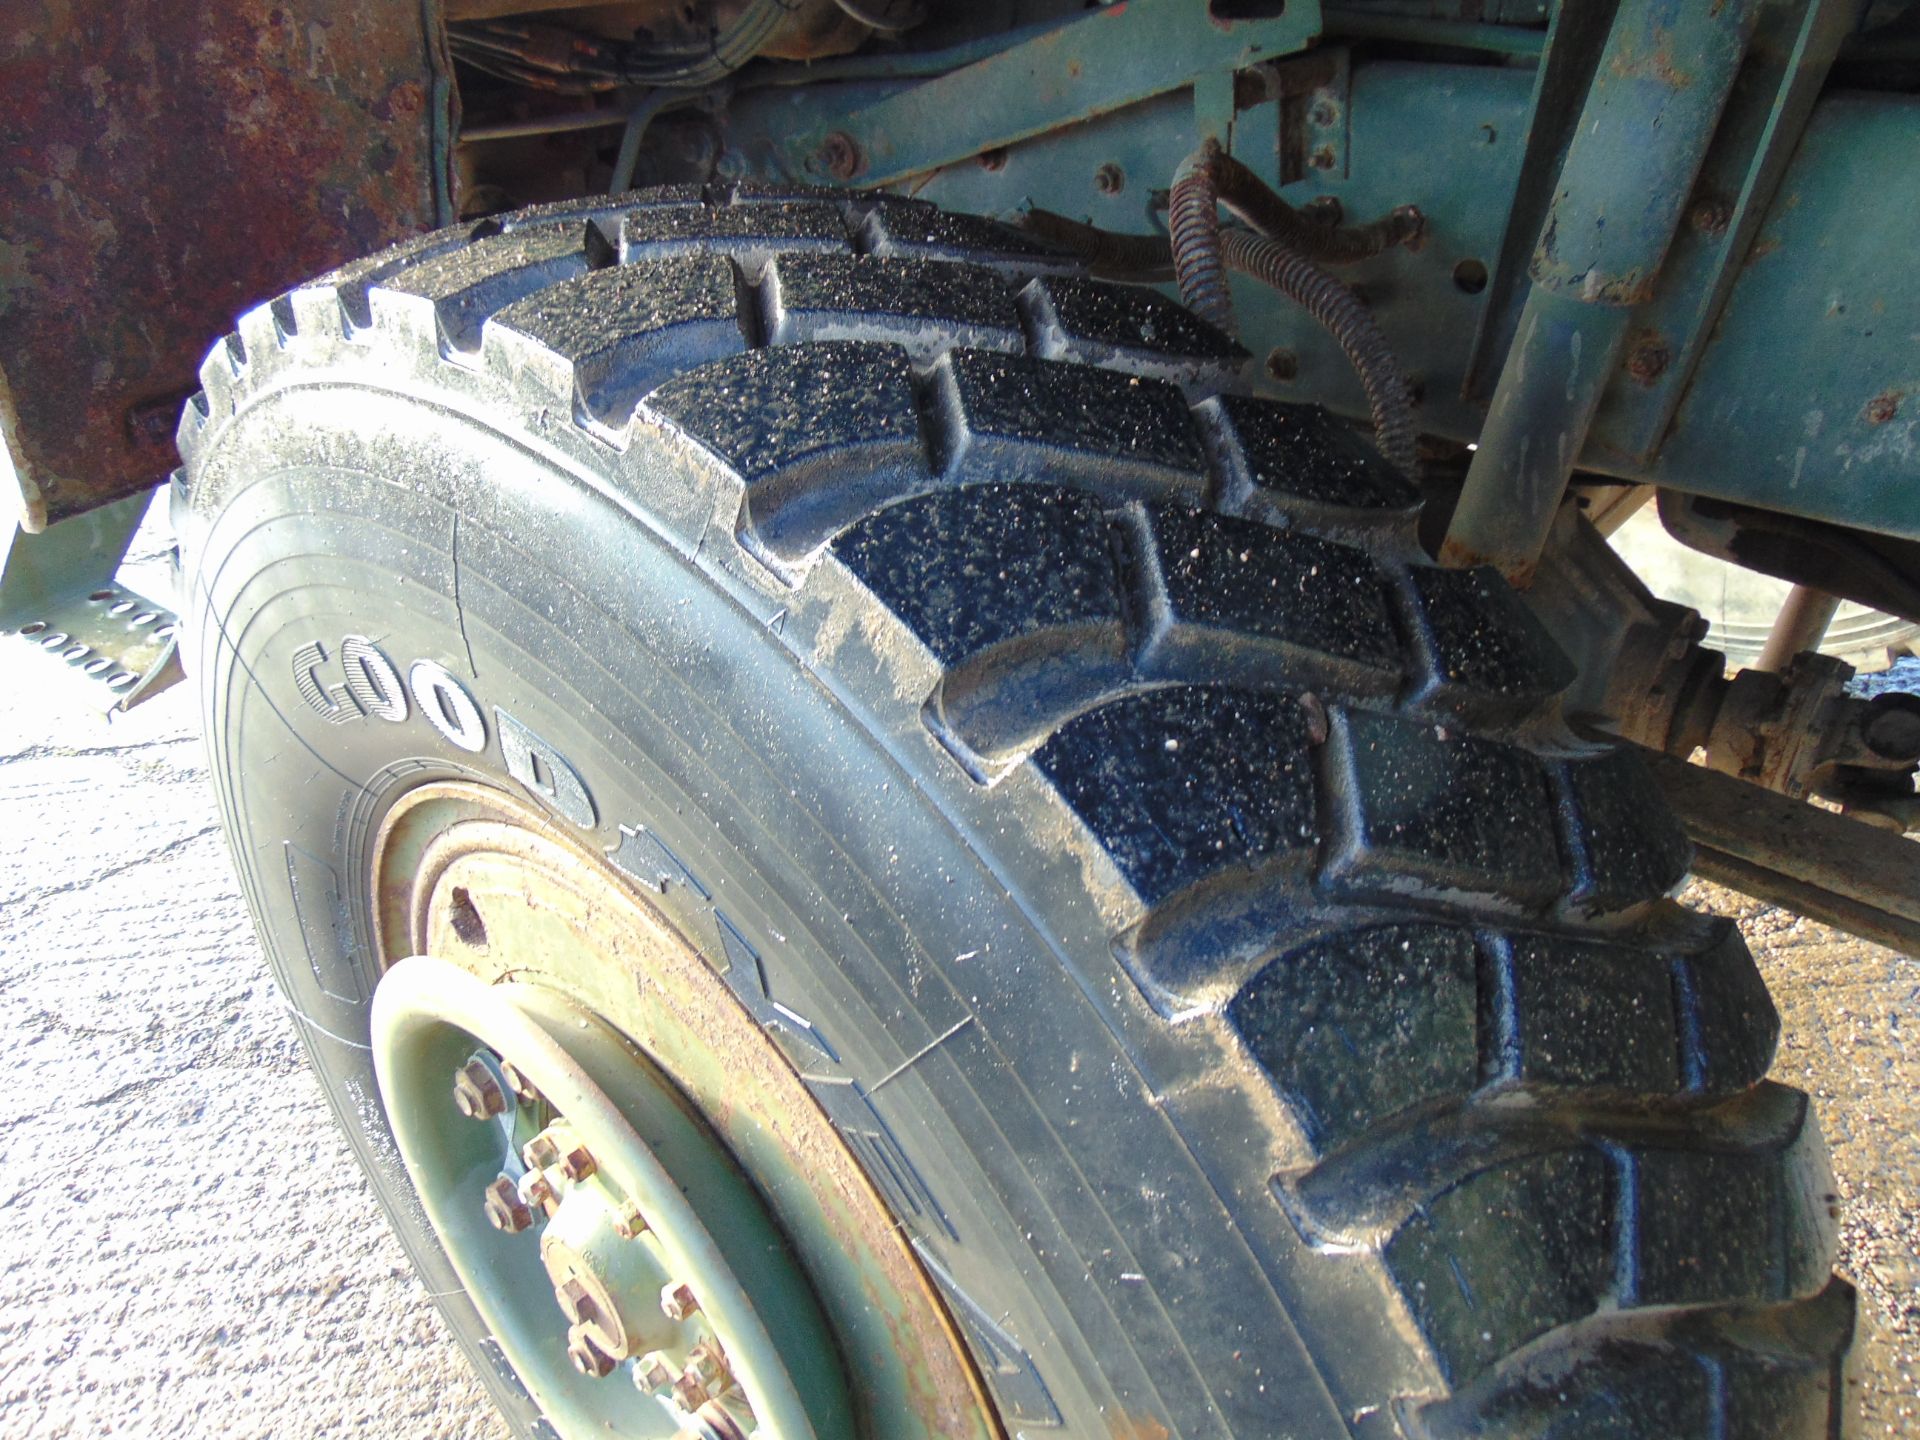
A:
(68, 623)
(1843, 872)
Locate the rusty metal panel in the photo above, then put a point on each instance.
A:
(168, 165)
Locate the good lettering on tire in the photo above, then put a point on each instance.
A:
(371, 688)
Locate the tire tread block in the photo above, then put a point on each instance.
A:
(1481, 644)
(652, 232)
(1177, 784)
(865, 297)
(1628, 846)
(1233, 599)
(1424, 808)
(622, 330)
(1297, 461)
(1360, 1026)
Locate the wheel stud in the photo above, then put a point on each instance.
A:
(689, 1393)
(629, 1223)
(653, 1372)
(536, 1189)
(677, 1300)
(540, 1152)
(476, 1094)
(707, 1363)
(505, 1209)
(586, 1357)
(522, 1088)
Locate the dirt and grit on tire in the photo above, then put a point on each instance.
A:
(1263, 1013)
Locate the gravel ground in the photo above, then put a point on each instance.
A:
(187, 1249)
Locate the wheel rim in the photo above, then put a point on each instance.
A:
(623, 1230)
(553, 1003)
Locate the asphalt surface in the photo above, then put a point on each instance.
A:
(186, 1248)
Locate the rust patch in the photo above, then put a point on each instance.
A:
(1883, 407)
(169, 166)
(1648, 357)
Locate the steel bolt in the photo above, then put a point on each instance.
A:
(536, 1189)
(708, 1364)
(588, 1358)
(689, 1393)
(522, 1088)
(1109, 179)
(505, 1209)
(1323, 158)
(654, 1372)
(1323, 113)
(677, 1300)
(629, 1223)
(577, 1163)
(992, 161)
(1711, 216)
(476, 1094)
(1282, 365)
(540, 1152)
(839, 156)
(1649, 359)
(1882, 408)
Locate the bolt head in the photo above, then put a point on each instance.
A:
(654, 1372)
(689, 1393)
(839, 156)
(1711, 215)
(1649, 359)
(577, 1163)
(1109, 179)
(476, 1094)
(586, 1357)
(536, 1189)
(1323, 158)
(677, 1300)
(1882, 408)
(707, 1363)
(522, 1088)
(1323, 113)
(628, 1222)
(540, 1152)
(505, 1209)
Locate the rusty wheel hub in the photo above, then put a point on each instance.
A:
(624, 1169)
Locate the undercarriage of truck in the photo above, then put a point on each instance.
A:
(980, 720)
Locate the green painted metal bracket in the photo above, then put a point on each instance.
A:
(66, 619)
(1786, 68)
(1114, 57)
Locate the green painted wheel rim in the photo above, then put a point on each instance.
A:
(704, 1225)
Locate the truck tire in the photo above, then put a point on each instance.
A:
(1259, 1010)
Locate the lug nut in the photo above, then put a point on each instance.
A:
(577, 1163)
(476, 1093)
(689, 1393)
(653, 1372)
(536, 1189)
(629, 1223)
(518, 1083)
(505, 1209)
(588, 1358)
(677, 1300)
(540, 1152)
(707, 1363)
